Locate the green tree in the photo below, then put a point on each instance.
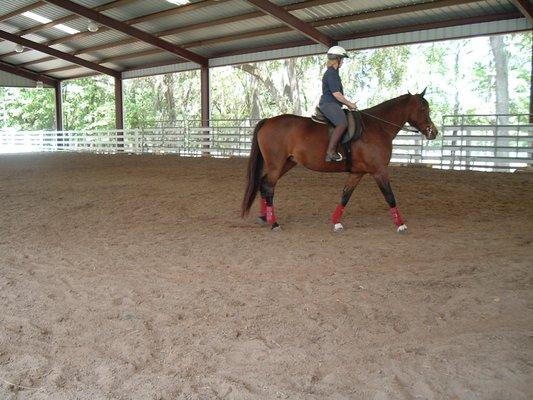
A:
(27, 108)
(164, 99)
(89, 103)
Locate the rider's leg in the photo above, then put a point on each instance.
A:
(333, 141)
(336, 116)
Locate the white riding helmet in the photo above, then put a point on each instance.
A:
(337, 52)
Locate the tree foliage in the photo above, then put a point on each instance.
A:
(460, 76)
(27, 108)
(88, 103)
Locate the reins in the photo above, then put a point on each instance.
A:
(403, 128)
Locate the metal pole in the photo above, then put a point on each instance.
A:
(59, 113)
(531, 89)
(59, 106)
(119, 113)
(204, 95)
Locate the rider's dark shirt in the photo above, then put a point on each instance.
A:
(331, 83)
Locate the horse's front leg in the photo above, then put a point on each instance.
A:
(353, 181)
(382, 179)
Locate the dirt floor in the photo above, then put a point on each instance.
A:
(128, 277)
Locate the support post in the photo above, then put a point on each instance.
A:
(204, 95)
(59, 106)
(59, 113)
(119, 112)
(531, 89)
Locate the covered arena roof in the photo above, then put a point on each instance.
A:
(50, 38)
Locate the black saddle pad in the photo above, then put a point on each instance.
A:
(355, 126)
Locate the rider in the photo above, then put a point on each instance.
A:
(332, 100)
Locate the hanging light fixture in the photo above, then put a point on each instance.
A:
(19, 48)
(39, 84)
(92, 26)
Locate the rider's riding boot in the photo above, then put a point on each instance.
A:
(332, 154)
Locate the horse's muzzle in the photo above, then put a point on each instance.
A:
(431, 132)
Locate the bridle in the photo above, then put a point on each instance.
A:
(429, 130)
(403, 128)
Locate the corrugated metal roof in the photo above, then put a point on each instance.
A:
(251, 44)
(241, 27)
(9, 6)
(216, 11)
(121, 50)
(138, 8)
(413, 18)
(99, 38)
(241, 35)
(45, 66)
(72, 73)
(50, 12)
(348, 7)
(151, 59)
(23, 57)
(11, 80)
(92, 3)
(16, 24)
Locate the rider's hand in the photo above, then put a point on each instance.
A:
(353, 106)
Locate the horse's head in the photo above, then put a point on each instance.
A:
(419, 116)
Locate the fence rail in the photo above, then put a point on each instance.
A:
(462, 145)
(486, 142)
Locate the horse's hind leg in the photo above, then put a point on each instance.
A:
(268, 183)
(353, 181)
(382, 179)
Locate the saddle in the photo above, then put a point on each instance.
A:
(355, 126)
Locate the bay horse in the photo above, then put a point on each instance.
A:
(281, 142)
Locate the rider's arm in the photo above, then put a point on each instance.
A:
(340, 97)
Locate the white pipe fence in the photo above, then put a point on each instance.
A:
(503, 147)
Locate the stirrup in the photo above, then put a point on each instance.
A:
(336, 157)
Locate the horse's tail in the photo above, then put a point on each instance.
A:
(255, 168)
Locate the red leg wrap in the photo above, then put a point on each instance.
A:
(396, 217)
(337, 214)
(262, 207)
(271, 217)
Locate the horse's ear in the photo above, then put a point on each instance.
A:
(409, 93)
(423, 92)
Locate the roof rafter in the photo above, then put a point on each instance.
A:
(525, 7)
(359, 35)
(174, 31)
(435, 25)
(22, 10)
(72, 17)
(24, 73)
(294, 23)
(282, 29)
(57, 54)
(129, 30)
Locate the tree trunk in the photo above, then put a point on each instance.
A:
(456, 105)
(168, 82)
(255, 111)
(293, 88)
(265, 80)
(502, 77)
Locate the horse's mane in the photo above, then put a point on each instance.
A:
(386, 104)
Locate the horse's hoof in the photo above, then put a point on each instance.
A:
(276, 227)
(402, 229)
(338, 227)
(261, 220)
